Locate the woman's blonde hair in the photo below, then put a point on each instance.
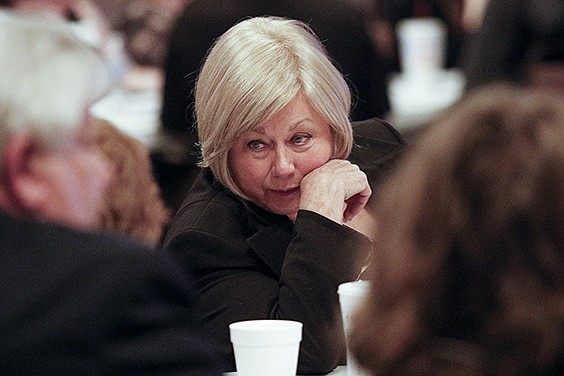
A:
(251, 73)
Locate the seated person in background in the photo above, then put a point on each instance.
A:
(267, 228)
(133, 204)
(74, 302)
(85, 17)
(469, 245)
(88, 22)
(146, 26)
(385, 15)
(520, 41)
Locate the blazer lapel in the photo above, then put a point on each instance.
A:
(272, 234)
(270, 245)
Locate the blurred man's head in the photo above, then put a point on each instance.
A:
(48, 79)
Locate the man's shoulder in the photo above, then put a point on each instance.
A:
(57, 242)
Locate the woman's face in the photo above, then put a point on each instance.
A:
(269, 163)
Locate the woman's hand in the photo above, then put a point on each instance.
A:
(338, 190)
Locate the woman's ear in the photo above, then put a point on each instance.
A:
(26, 189)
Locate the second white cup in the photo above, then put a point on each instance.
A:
(266, 347)
(351, 295)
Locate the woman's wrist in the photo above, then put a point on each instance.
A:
(331, 208)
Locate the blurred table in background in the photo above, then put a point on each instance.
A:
(135, 112)
(414, 101)
(134, 104)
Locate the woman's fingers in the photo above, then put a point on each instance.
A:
(356, 203)
(338, 190)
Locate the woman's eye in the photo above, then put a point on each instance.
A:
(255, 145)
(301, 139)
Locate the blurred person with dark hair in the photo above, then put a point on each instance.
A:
(145, 26)
(519, 41)
(467, 270)
(383, 17)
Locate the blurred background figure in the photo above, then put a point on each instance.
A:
(469, 245)
(338, 25)
(145, 26)
(421, 42)
(519, 41)
(133, 205)
(383, 16)
(75, 302)
(88, 22)
(44, 123)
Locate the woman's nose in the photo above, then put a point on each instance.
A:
(283, 164)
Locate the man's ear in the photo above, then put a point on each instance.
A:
(26, 188)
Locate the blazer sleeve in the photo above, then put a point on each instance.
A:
(322, 255)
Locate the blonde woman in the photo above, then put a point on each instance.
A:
(267, 228)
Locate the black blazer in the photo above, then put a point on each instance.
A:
(84, 304)
(251, 264)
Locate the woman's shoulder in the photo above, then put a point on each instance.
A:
(378, 130)
(208, 199)
(206, 191)
(376, 144)
(377, 148)
(208, 207)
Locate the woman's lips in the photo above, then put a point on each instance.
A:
(284, 193)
